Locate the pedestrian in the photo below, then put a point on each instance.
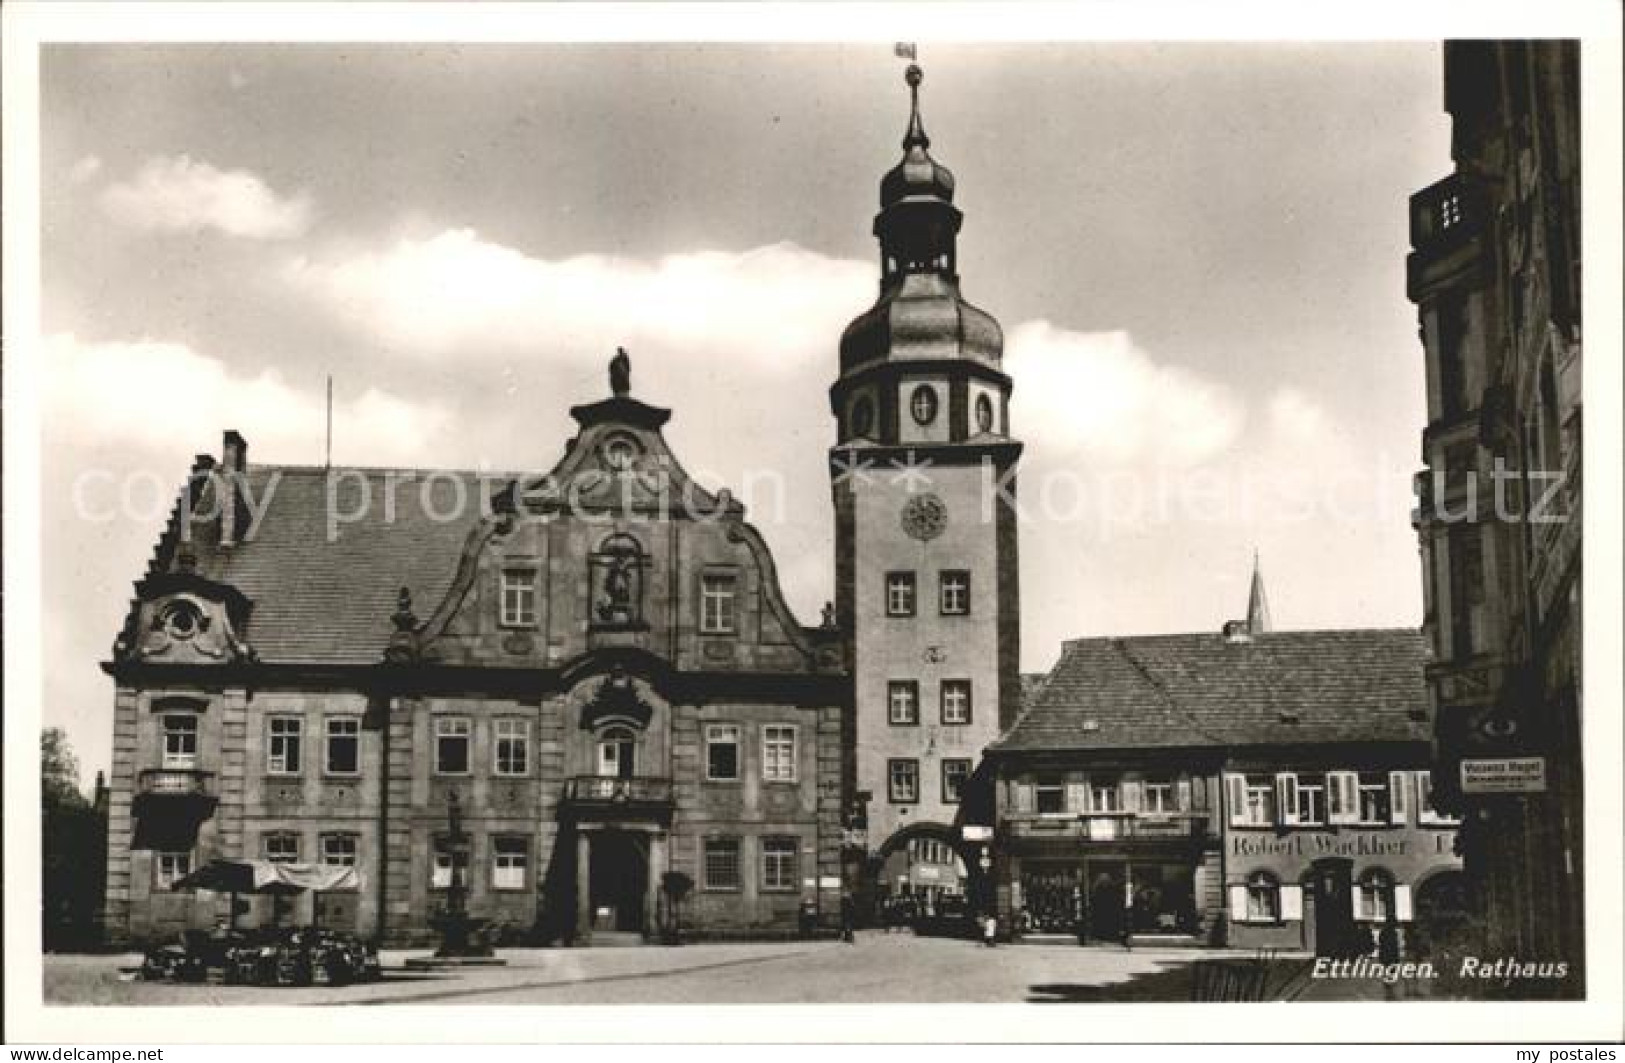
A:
(990, 929)
(848, 913)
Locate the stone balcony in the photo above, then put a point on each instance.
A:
(186, 790)
(609, 797)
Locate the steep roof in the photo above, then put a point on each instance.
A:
(1160, 691)
(327, 598)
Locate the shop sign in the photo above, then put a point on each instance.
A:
(830, 882)
(1506, 775)
(972, 832)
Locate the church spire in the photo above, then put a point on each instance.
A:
(916, 128)
(1258, 606)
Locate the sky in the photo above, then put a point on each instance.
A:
(1197, 253)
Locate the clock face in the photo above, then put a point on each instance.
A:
(923, 405)
(924, 517)
(984, 413)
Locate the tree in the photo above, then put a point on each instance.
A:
(74, 849)
(59, 769)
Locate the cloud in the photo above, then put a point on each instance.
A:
(1099, 397)
(85, 169)
(126, 396)
(179, 194)
(456, 292)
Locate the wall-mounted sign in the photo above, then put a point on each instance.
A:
(830, 882)
(1505, 775)
(972, 832)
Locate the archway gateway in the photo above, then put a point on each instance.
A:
(905, 865)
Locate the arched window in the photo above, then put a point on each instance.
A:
(862, 420)
(1263, 897)
(617, 753)
(1374, 896)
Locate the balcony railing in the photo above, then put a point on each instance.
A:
(1112, 826)
(640, 793)
(175, 782)
(183, 791)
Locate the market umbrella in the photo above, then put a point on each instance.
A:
(267, 877)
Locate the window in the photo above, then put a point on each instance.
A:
(1466, 548)
(1427, 812)
(1251, 799)
(511, 751)
(1373, 797)
(180, 741)
(779, 862)
(1374, 896)
(617, 753)
(509, 856)
(922, 404)
(1105, 796)
(721, 865)
(338, 850)
(903, 701)
(343, 745)
(1311, 799)
(1050, 795)
(717, 613)
(954, 774)
(169, 868)
(903, 781)
(899, 594)
(451, 740)
(722, 752)
(281, 848)
(779, 752)
(283, 753)
(1159, 796)
(863, 416)
(954, 599)
(984, 414)
(518, 597)
(956, 701)
(1263, 898)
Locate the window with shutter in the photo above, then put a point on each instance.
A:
(1235, 795)
(1292, 904)
(1286, 796)
(1398, 797)
(1238, 904)
(1343, 792)
(1024, 796)
(1182, 794)
(1077, 796)
(1131, 795)
(1402, 903)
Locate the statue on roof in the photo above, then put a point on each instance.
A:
(620, 373)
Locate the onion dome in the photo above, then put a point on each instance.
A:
(918, 175)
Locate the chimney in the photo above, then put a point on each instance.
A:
(234, 451)
(233, 467)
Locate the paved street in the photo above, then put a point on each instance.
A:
(878, 968)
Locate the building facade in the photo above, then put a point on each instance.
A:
(596, 666)
(923, 478)
(1250, 788)
(1495, 275)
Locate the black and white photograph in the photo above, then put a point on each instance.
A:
(628, 507)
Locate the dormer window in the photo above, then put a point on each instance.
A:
(718, 612)
(518, 597)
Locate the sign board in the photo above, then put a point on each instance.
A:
(1506, 775)
(973, 833)
(830, 882)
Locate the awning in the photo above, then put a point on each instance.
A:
(264, 876)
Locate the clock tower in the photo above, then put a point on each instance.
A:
(923, 478)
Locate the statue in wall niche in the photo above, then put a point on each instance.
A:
(620, 373)
(615, 607)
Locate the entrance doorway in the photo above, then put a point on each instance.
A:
(618, 880)
(1330, 887)
(1106, 900)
